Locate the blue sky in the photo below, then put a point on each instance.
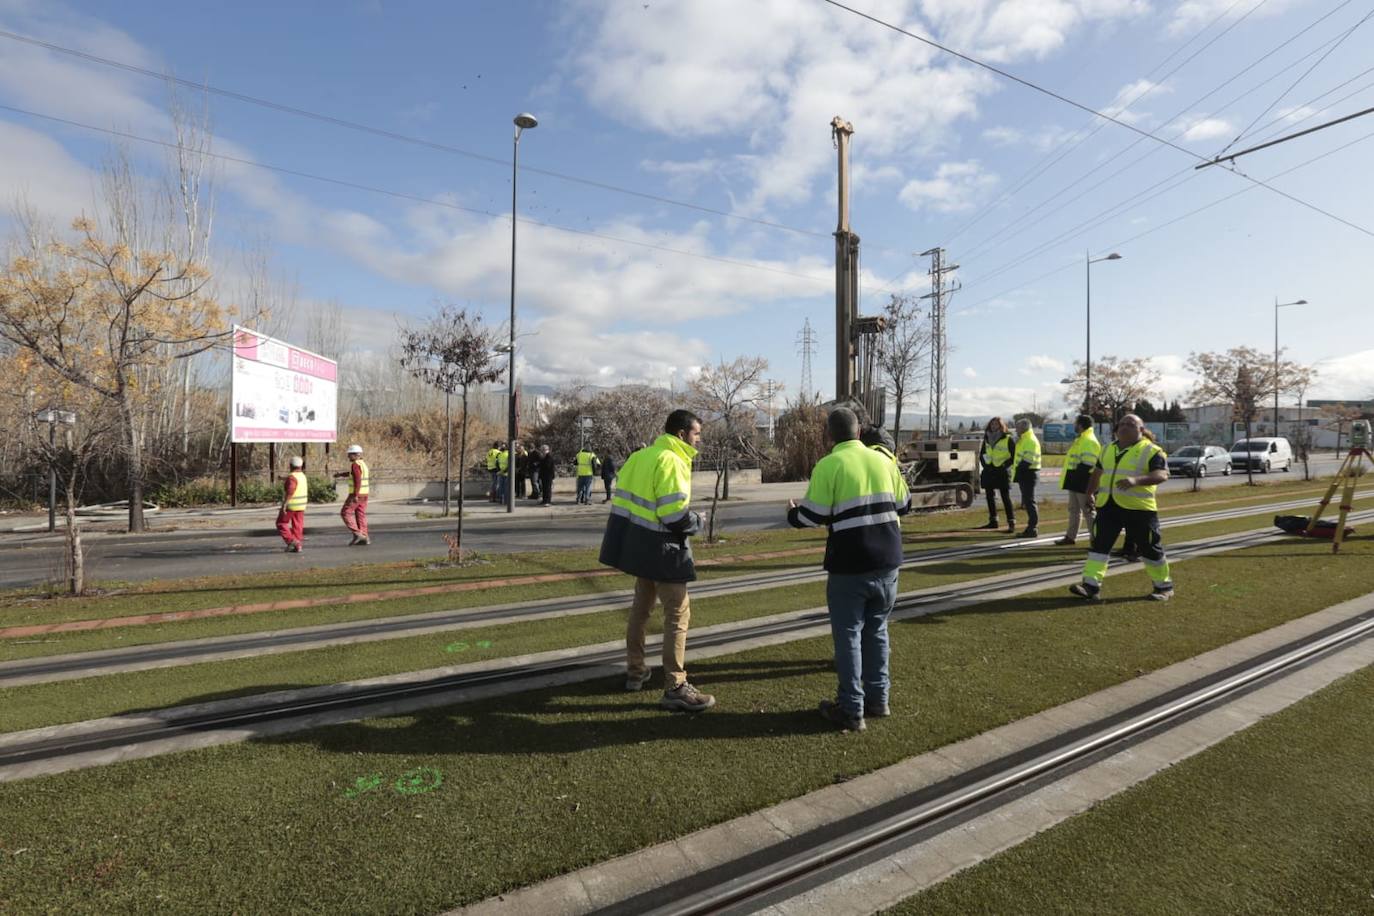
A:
(727, 105)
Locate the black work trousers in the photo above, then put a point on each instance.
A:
(1141, 527)
(1027, 484)
(992, 492)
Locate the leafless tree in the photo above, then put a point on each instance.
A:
(905, 349)
(727, 396)
(454, 352)
(1117, 384)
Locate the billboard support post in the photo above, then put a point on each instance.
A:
(272, 462)
(233, 474)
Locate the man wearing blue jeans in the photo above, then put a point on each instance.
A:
(858, 494)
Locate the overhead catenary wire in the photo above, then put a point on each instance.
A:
(1284, 139)
(419, 198)
(1082, 107)
(395, 135)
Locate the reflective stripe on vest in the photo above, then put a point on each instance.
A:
(1134, 462)
(364, 480)
(655, 484)
(884, 450)
(299, 496)
(1085, 450)
(851, 487)
(584, 463)
(997, 454)
(1028, 450)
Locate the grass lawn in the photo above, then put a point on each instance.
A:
(1278, 819)
(74, 700)
(922, 531)
(333, 820)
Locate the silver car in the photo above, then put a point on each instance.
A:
(1200, 460)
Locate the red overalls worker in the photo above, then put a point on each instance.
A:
(354, 512)
(291, 519)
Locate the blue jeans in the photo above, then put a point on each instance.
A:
(584, 489)
(859, 604)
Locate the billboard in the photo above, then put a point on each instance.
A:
(1060, 432)
(280, 393)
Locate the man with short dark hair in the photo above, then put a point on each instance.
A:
(858, 494)
(1079, 462)
(647, 536)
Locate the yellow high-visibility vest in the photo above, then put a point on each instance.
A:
(1134, 462)
(301, 495)
(1028, 450)
(363, 478)
(1085, 450)
(997, 454)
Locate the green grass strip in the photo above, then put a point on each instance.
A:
(923, 532)
(544, 782)
(87, 698)
(1276, 820)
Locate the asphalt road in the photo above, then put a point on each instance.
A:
(199, 553)
(202, 553)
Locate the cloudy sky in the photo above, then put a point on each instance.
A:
(714, 115)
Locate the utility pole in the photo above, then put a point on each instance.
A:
(770, 387)
(846, 270)
(806, 346)
(937, 420)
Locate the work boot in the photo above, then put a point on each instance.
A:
(1162, 594)
(877, 711)
(364, 541)
(1079, 590)
(297, 547)
(1064, 542)
(1029, 533)
(355, 540)
(1011, 526)
(636, 682)
(834, 713)
(686, 698)
(992, 525)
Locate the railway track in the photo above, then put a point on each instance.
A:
(186, 652)
(57, 748)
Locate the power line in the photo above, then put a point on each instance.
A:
(1079, 105)
(394, 135)
(1285, 138)
(419, 199)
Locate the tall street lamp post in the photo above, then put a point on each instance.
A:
(1279, 305)
(1088, 263)
(522, 121)
(53, 417)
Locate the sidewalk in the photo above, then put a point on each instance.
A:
(258, 521)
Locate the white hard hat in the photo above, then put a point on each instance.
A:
(355, 450)
(297, 461)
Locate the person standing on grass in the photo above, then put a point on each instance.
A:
(647, 536)
(354, 512)
(295, 495)
(1073, 479)
(1027, 461)
(995, 459)
(1127, 475)
(857, 493)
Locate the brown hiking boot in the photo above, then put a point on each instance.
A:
(686, 698)
(834, 713)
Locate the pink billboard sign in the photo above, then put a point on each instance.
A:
(281, 393)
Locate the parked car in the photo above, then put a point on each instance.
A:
(1200, 460)
(1269, 453)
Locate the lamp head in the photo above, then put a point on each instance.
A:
(1112, 257)
(525, 120)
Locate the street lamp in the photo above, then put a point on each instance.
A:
(1088, 262)
(522, 121)
(52, 416)
(1279, 305)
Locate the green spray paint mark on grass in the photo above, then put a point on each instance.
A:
(363, 784)
(463, 646)
(419, 781)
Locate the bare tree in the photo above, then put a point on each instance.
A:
(1116, 385)
(1242, 378)
(453, 353)
(727, 397)
(906, 344)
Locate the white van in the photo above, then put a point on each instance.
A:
(1267, 453)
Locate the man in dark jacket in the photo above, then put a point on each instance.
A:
(647, 536)
(546, 471)
(608, 475)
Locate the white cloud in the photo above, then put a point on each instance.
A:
(776, 71)
(1345, 377)
(1128, 95)
(1003, 401)
(955, 186)
(1044, 364)
(1041, 140)
(1204, 128)
(1189, 15)
(43, 175)
(969, 372)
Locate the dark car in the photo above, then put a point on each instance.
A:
(1200, 460)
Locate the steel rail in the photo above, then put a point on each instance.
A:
(361, 700)
(774, 879)
(48, 669)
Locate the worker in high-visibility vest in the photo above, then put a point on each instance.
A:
(502, 473)
(647, 536)
(858, 493)
(1124, 481)
(295, 494)
(493, 456)
(1079, 462)
(354, 512)
(588, 465)
(1027, 474)
(995, 458)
